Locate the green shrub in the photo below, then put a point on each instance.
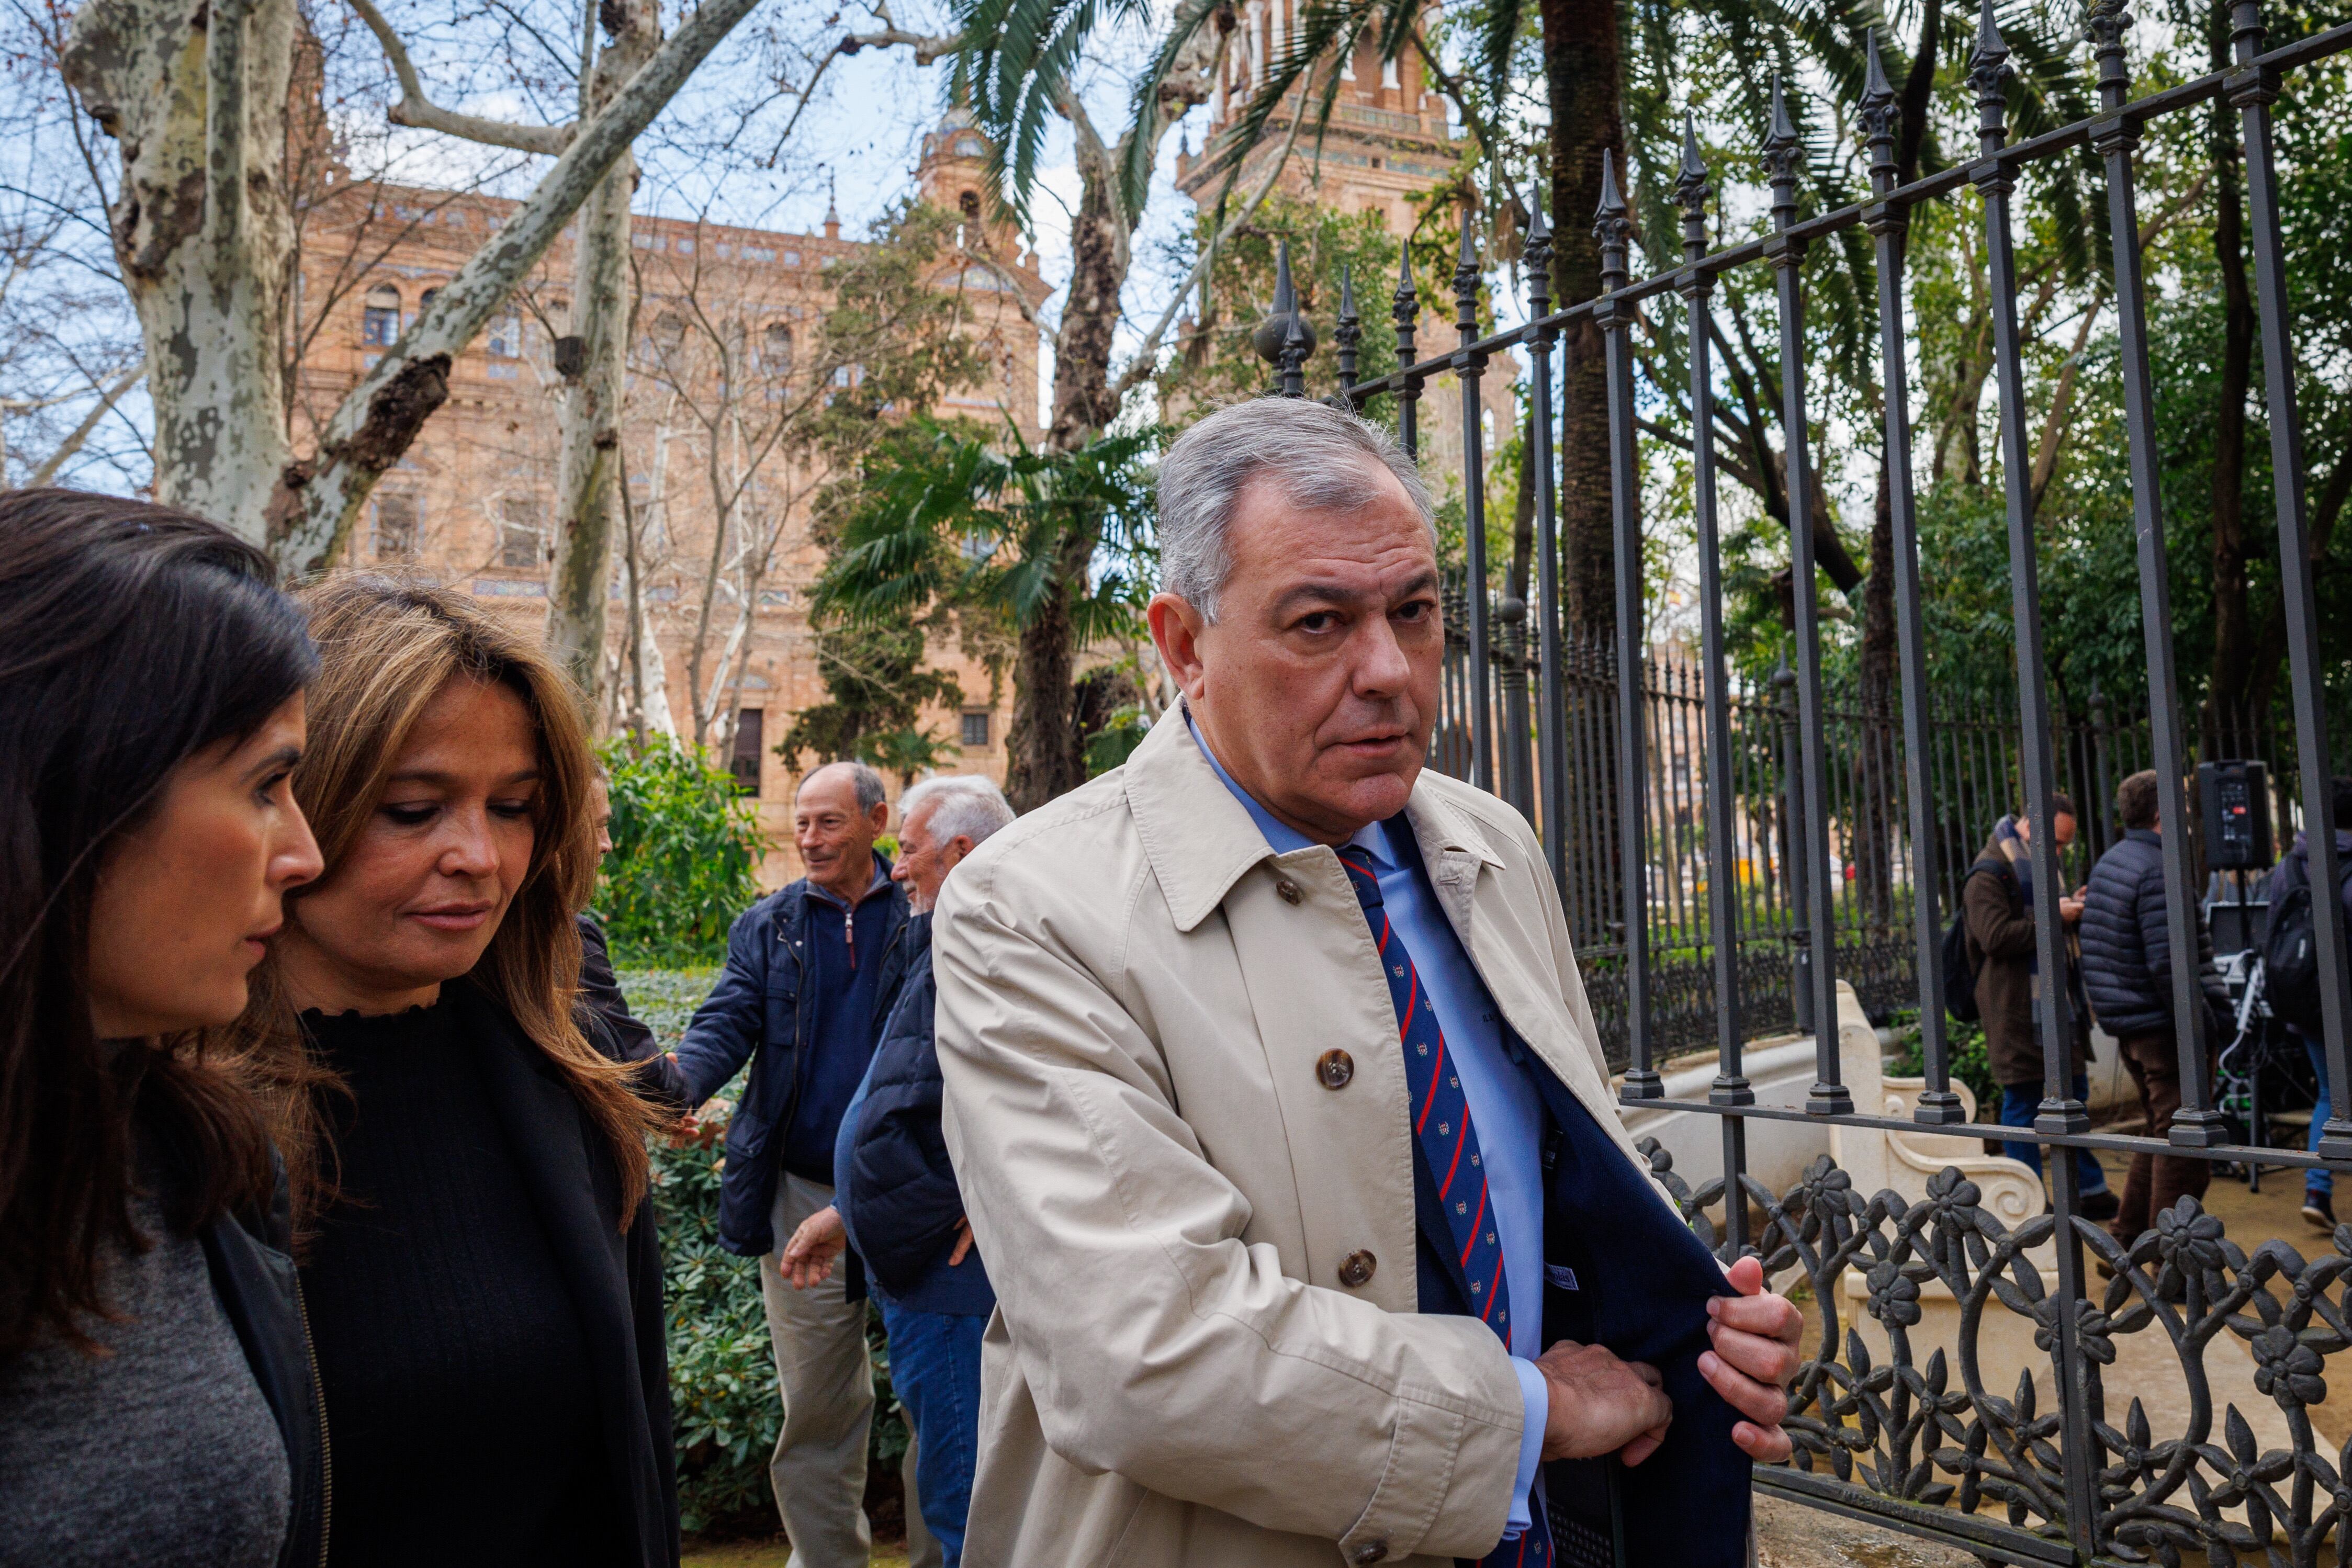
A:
(724, 1408)
(1116, 741)
(1965, 1043)
(686, 846)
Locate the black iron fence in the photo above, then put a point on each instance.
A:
(1921, 1441)
(1975, 767)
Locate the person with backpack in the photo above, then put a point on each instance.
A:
(1997, 911)
(2128, 976)
(2291, 977)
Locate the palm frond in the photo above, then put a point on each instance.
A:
(1016, 66)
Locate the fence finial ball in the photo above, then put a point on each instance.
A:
(1274, 333)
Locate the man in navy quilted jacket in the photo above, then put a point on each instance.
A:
(2128, 971)
(897, 1193)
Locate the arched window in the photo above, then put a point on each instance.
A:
(971, 146)
(669, 333)
(776, 351)
(380, 316)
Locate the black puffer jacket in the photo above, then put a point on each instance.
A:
(903, 1201)
(2126, 943)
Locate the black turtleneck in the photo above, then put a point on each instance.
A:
(459, 1394)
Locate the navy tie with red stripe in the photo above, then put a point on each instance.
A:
(1441, 1125)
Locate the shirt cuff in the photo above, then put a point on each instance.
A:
(1536, 1395)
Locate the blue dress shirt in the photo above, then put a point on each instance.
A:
(1505, 1106)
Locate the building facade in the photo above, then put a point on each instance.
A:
(721, 480)
(1389, 140)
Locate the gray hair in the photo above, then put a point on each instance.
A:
(967, 806)
(862, 778)
(1325, 460)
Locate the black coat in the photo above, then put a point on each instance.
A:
(599, 988)
(2001, 941)
(2295, 871)
(903, 1201)
(614, 1275)
(2126, 940)
(250, 1255)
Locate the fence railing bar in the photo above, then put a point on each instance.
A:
(2253, 88)
(2198, 1124)
(1467, 363)
(1783, 150)
(2116, 1142)
(1938, 1105)
(1404, 310)
(1947, 1527)
(1731, 1086)
(1552, 764)
(1796, 858)
(2060, 1111)
(1614, 229)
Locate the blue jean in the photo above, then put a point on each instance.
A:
(2318, 1179)
(2018, 1102)
(935, 1371)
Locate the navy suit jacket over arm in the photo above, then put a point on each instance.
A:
(1644, 1280)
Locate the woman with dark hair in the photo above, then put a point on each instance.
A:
(483, 1276)
(157, 1402)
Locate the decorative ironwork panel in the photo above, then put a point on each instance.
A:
(1929, 1432)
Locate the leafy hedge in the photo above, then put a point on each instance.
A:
(686, 847)
(722, 1378)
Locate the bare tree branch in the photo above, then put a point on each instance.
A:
(1146, 360)
(928, 47)
(419, 112)
(380, 416)
(90, 422)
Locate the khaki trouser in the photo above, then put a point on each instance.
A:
(826, 1379)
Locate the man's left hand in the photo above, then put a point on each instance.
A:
(809, 1256)
(1755, 1355)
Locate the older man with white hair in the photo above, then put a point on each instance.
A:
(895, 1194)
(1282, 1120)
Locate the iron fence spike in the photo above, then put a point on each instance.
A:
(1612, 205)
(1874, 76)
(1784, 130)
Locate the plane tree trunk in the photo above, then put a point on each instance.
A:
(196, 98)
(588, 457)
(202, 229)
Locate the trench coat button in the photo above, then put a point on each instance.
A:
(1356, 1269)
(1288, 890)
(1370, 1552)
(1335, 1068)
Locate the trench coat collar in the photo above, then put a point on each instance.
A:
(1200, 839)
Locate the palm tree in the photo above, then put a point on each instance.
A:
(1034, 539)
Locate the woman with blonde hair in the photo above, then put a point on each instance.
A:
(483, 1276)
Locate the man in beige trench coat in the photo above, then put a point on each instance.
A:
(1272, 1092)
